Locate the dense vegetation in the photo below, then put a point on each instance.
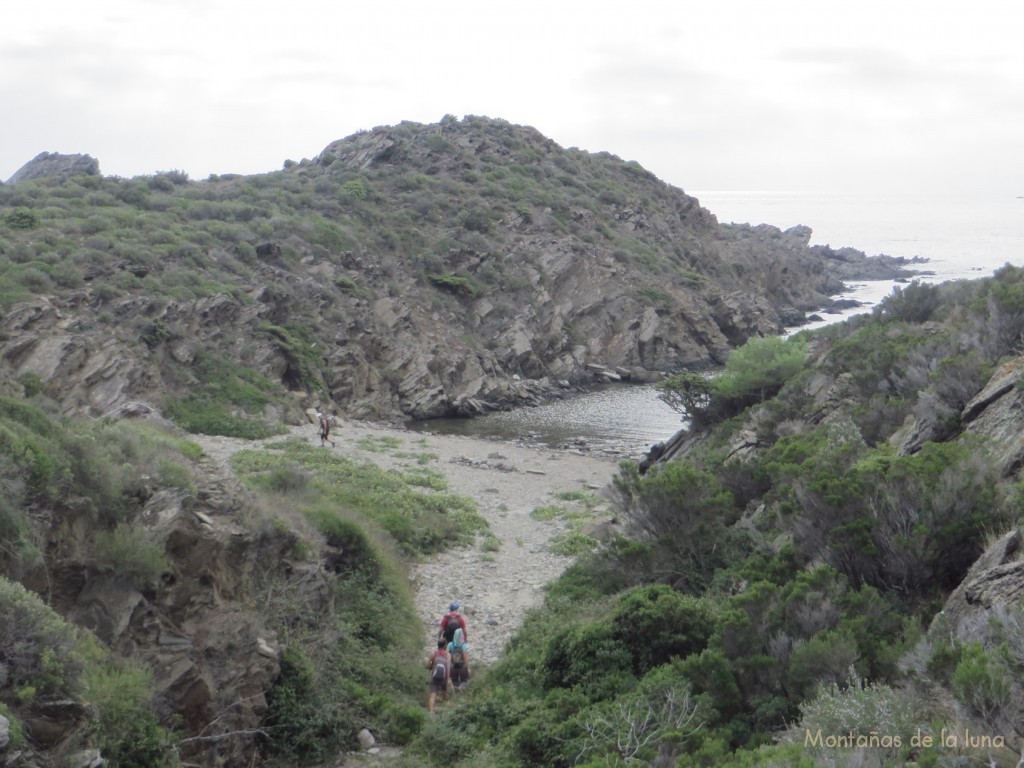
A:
(768, 594)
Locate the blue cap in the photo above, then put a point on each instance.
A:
(453, 605)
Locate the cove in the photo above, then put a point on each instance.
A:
(617, 419)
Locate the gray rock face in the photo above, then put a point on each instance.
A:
(996, 580)
(997, 412)
(53, 164)
(213, 659)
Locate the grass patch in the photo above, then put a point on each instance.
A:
(375, 444)
(587, 498)
(572, 544)
(548, 512)
(211, 418)
(424, 477)
(421, 457)
(419, 522)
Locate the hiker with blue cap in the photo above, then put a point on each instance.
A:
(450, 622)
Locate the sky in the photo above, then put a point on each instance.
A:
(782, 95)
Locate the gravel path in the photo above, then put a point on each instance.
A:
(507, 480)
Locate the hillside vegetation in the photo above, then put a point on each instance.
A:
(795, 583)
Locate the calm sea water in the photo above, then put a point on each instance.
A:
(620, 420)
(960, 237)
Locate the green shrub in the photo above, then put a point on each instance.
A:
(823, 659)
(588, 656)
(571, 544)
(457, 284)
(403, 723)
(37, 648)
(983, 680)
(657, 623)
(443, 743)
(206, 418)
(355, 189)
(685, 515)
(127, 733)
(301, 724)
(909, 523)
(21, 218)
(126, 551)
(752, 374)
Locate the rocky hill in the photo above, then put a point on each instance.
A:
(412, 271)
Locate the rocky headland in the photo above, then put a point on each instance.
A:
(412, 271)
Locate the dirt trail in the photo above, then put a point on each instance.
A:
(507, 481)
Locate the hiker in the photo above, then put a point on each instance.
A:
(440, 669)
(450, 622)
(325, 429)
(459, 658)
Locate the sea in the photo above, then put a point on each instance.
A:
(959, 237)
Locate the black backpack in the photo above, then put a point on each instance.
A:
(458, 657)
(450, 627)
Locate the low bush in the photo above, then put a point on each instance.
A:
(855, 707)
(457, 284)
(209, 418)
(982, 680)
(125, 729)
(46, 659)
(126, 551)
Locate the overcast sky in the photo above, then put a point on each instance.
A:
(787, 95)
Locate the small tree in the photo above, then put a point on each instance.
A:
(752, 374)
(758, 369)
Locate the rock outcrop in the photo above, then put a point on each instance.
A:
(213, 658)
(55, 165)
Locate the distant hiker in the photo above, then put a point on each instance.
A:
(325, 430)
(459, 657)
(450, 622)
(440, 670)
